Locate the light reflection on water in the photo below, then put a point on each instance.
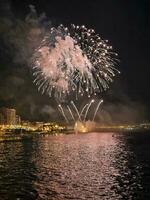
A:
(84, 166)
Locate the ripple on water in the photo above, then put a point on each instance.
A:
(84, 166)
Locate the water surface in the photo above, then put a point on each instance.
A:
(84, 166)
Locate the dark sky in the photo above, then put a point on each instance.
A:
(126, 24)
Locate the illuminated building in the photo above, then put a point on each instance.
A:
(18, 120)
(8, 116)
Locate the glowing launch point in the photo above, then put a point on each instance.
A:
(84, 127)
(80, 127)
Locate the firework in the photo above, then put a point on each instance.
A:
(70, 111)
(88, 107)
(73, 59)
(75, 113)
(83, 109)
(60, 108)
(76, 110)
(97, 107)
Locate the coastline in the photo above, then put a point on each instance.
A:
(15, 136)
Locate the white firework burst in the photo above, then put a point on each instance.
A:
(73, 59)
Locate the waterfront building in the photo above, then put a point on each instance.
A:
(8, 116)
(18, 120)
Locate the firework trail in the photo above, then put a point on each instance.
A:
(70, 112)
(88, 107)
(76, 110)
(73, 59)
(98, 105)
(82, 111)
(60, 108)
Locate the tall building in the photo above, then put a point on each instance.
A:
(18, 120)
(8, 116)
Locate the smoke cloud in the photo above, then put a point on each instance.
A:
(21, 37)
(120, 113)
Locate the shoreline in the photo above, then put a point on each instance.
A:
(11, 136)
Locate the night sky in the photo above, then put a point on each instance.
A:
(126, 24)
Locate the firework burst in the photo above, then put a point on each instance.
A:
(73, 59)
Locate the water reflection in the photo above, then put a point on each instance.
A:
(17, 171)
(84, 166)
